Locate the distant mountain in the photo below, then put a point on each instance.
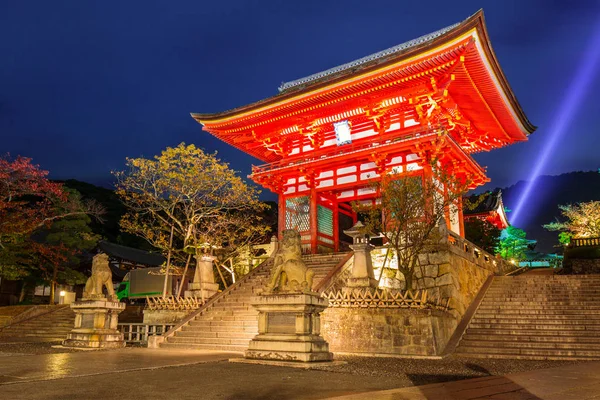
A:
(548, 194)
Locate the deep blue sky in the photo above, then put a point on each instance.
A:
(84, 84)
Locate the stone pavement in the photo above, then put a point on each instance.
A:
(15, 368)
(572, 382)
(144, 373)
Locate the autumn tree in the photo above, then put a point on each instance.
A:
(29, 205)
(187, 201)
(581, 220)
(409, 211)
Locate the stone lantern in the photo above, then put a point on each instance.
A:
(362, 270)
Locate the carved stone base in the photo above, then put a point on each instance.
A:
(289, 328)
(197, 289)
(96, 324)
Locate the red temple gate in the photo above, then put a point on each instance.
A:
(327, 137)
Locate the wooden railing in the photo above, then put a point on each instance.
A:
(583, 242)
(381, 298)
(173, 303)
(139, 333)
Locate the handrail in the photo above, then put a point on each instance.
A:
(320, 286)
(53, 308)
(214, 299)
(464, 322)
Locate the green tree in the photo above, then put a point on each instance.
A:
(513, 244)
(74, 238)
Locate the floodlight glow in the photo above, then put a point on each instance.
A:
(342, 132)
(62, 293)
(569, 106)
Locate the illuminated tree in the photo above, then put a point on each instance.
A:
(513, 244)
(186, 201)
(409, 211)
(581, 220)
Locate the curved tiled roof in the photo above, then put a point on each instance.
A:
(364, 60)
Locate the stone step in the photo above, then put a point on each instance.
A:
(541, 326)
(504, 303)
(524, 357)
(209, 341)
(231, 322)
(221, 328)
(532, 345)
(489, 313)
(538, 307)
(533, 332)
(521, 318)
(197, 346)
(507, 351)
(217, 334)
(469, 337)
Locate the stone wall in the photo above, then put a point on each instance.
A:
(456, 270)
(386, 330)
(585, 266)
(453, 271)
(164, 316)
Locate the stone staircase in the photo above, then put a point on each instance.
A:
(49, 327)
(230, 321)
(536, 317)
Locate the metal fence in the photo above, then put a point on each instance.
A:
(138, 333)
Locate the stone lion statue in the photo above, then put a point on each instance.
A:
(101, 276)
(290, 273)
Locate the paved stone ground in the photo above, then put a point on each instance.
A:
(38, 371)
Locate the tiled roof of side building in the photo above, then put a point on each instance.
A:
(491, 202)
(368, 59)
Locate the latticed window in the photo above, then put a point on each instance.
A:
(325, 220)
(297, 213)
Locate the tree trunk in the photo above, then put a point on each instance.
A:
(53, 284)
(168, 263)
(23, 292)
(184, 277)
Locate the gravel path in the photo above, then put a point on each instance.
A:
(414, 372)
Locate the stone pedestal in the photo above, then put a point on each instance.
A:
(96, 324)
(289, 328)
(203, 286)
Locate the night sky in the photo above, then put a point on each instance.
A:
(84, 84)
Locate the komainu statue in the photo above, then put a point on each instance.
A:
(101, 276)
(290, 273)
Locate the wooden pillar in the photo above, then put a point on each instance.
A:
(336, 226)
(314, 227)
(281, 215)
(461, 222)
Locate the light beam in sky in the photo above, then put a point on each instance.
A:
(574, 95)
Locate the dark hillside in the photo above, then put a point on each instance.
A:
(550, 191)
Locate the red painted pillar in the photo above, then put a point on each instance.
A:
(313, 220)
(281, 215)
(336, 226)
